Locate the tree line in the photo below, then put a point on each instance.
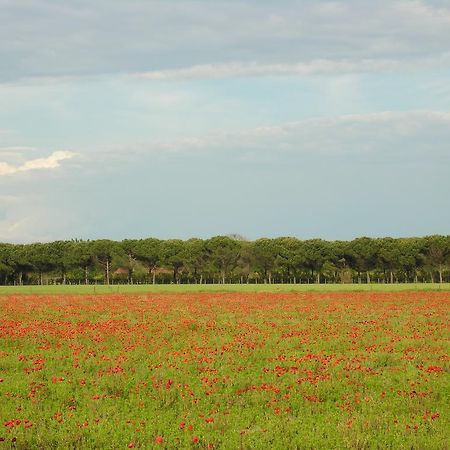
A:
(227, 259)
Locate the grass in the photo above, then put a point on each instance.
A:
(234, 370)
(185, 288)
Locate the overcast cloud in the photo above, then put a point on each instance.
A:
(44, 37)
(181, 118)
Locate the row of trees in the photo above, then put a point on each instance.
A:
(227, 259)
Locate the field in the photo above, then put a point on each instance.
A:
(185, 288)
(224, 370)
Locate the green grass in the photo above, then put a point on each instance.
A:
(186, 288)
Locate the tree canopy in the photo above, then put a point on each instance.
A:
(227, 259)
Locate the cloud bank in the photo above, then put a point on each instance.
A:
(384, 137)
(46, 38)
(255, 69)
(50, 162)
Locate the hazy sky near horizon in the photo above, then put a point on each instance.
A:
(176, 118)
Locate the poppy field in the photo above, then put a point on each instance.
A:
(235, 370)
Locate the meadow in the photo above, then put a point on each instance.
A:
(275, 369)
(76, 289)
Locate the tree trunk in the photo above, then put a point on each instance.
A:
(86, 279)
(130, 270)
(368, 277)
(107, 271)
(318, 277)
(392, 277)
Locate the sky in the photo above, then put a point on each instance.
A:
(174, 119)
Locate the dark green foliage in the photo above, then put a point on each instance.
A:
(224, 259)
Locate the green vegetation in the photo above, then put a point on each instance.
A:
(186, 288)
(225, 371)
(228, 260)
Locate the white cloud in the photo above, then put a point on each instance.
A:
(315, 67)
(50, 162)
(390, 135)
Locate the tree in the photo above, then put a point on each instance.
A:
(81, 255)
(388, 257)
(195, 258)
(60, 257)
(172, 255)
(410, 257)
(149, 253)
(291, 257)
(40, 257)
(265, 253)
(6, 269)
(316, 254)
(104, 251)
(223, 253)
(362, 256)
(129, 247)
(437, 253)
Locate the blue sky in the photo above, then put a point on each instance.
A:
(195, 118)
